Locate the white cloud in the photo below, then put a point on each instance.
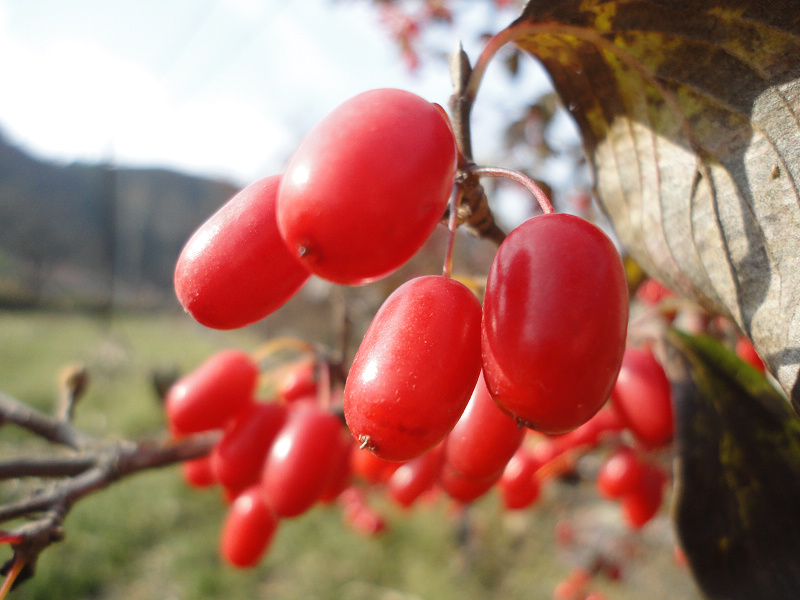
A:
(224, 87)
(232, 99)
(227, 137)
(70, 95)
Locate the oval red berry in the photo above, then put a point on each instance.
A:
(235, 269)
(555, 317)
(415, 369)
(367, 186)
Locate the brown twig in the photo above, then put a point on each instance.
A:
(474, 211)
(58, 431)
(93, 465)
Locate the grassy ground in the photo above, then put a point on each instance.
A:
(150, 537)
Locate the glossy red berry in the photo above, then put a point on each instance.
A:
(367, 186)
(605, 422)
(248, 529)
(555, 317)
(463, 489)
(415, 369)
(301, 460)
(235, 269)
(358, 514)
(641, 504)
(300, 382)
(198, 472)
(518, 485)
(210, 396)
(340, 475)
(620, 473)
(366, 466)
(484, 439)
(239, 456)
(642, 396)
(415, 477)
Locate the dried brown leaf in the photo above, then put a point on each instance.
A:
(689, 113)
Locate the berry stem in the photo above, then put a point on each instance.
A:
(530, 184)
(494, 44)
(466, 80)
(452, 223)
(15, 570)
(282, 344)
(324, 384)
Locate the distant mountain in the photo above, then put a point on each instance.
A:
(99, 237)
(91, 234)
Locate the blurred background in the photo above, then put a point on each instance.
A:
(123, 126)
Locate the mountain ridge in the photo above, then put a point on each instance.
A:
(95, 234)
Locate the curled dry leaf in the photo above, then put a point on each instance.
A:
(689, 114)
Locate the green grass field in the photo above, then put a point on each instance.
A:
(151, 537)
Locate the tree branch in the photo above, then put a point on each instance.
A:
(55, 430)
(95, 464)
(474, 211)
(46, 466)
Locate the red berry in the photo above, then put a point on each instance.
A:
(464, 489)
(341, 474)
(415, 369)
(642, 397)
(210, 396)
(484, 438)
(415, 477)
(652, 292)
(573, 587)
(198, 472)
(591, 433)
(519, 487)
(747, 352)
(367, 186)
(301, 382)
(641, 504)
(359, 514)
(248, 529)
(239, 456)
(301, 461)
(236, 269)
(620, 473)
(555, 319)
(372, 469)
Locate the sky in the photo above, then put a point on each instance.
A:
(222, 88)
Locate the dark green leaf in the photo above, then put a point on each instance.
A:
(737, 500)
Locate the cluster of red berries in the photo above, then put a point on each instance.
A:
(443, 386)
(277, 459)
(274, 459)
(359, 197)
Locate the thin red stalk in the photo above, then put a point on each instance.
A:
(492, 46)
(324, 384)
(11, 538)
(452, 223)
(16, 567)
(530, 184)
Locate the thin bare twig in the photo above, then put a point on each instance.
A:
(54, 430)
(474, 211)
(95, 464)
(46, 466)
